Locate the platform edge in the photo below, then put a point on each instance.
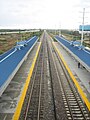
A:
(21, 100)
(85, 99)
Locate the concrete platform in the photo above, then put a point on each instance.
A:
(10, 63)
(82, 55)
(10, 97)
(81, 74)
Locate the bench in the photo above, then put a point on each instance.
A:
(20, 44)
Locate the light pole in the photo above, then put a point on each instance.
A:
(82, 27)
(60, 30)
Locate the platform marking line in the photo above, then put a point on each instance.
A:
(8, 56)
(21, 100)
(74, 79)
(31, 39)
(69, 42)
(63, 39)
(13, 52)
(87, 51)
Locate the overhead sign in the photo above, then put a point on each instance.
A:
(85, 28)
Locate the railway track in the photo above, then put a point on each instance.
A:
(51, 94)
(75, 107)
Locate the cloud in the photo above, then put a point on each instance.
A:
(85, 3)
(40, 13)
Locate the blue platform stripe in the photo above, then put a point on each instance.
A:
(84, 55)
(8, 65)
(6, 53)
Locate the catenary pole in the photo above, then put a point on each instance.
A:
(82, 34)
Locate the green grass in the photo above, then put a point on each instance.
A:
(86, 44)
(7, 41)
(1, 52)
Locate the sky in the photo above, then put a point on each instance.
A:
(43, 14)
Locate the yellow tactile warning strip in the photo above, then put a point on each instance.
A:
(20, 103)
(87, 102)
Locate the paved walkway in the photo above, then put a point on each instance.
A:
(81, 74)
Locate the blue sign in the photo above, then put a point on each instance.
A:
(85, 28)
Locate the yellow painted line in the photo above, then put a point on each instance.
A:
(85, 99)
(20, 103)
